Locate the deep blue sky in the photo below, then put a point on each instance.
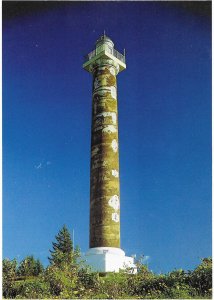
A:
(164, 128)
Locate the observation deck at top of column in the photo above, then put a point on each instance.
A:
(104, 49)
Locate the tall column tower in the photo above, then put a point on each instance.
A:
(105, 254)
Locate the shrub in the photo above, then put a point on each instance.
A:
(114, 285)
(63, 281)
(35, 288)
(89, 281)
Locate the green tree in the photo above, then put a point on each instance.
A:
(29, 266)
(177, 285)
(62, 274)
(201, 278)
(62, 248)
(39, 268)
(9, 268)
(136, 283)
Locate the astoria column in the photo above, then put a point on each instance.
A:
(105, 254)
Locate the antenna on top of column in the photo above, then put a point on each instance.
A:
(73, 239)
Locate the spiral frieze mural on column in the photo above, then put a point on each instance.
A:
(105, 186)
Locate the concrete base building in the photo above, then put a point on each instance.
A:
(109, 259)
(105, 254)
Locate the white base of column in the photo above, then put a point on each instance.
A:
(109, 259)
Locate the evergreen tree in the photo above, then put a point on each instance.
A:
(9, 268)
(62, 248)
(38, 267)
(30, 267)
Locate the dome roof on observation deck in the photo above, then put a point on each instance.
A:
(104, 39)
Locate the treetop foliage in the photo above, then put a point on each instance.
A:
(62, 248)
(30, 267)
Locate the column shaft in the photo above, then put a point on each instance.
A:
(104, 184)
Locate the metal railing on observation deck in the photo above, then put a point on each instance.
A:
(114, 52)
